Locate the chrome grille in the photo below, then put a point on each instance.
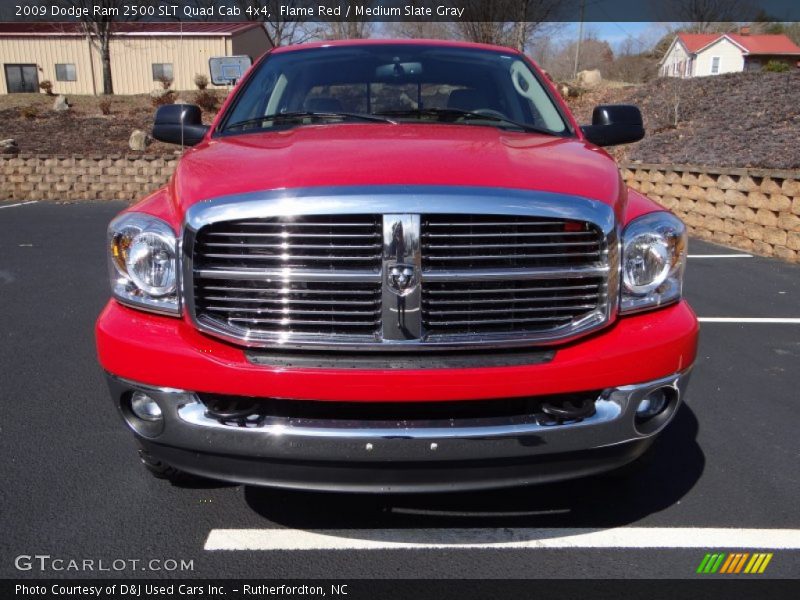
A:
(318, 242)
(510, 270)
(259, 307)
(463, 244)
(484, 241)
(508, 306)
(238, 283)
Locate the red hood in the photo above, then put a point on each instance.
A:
(407, 154)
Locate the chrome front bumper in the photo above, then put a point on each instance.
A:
(398, 456)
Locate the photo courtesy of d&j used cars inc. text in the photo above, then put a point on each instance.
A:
(400, 299)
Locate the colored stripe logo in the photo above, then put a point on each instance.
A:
(734, 563)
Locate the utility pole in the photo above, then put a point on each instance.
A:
(578, 45)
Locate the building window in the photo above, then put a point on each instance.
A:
(714, 65)
(66, 72)
(162, 71)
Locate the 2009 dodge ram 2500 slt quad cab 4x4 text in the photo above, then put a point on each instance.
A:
(395, 266)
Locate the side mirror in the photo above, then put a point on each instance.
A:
(179, 124)
(614, 124)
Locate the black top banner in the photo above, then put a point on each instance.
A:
(401, 10)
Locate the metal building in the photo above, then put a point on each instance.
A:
(141, 53)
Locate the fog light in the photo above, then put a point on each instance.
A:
(144, 407)
(653, 403)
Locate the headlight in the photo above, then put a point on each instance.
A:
(143, 262)
(653, 261)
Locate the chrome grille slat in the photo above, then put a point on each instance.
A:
(255, 274)
(503, 321)
(292, 311)
(299, 223)
(492, 223)
(285, 301)
(507, 256)
(293, 246)
(503, 246)
(516, 309)
(285, 234)
(289, 257)
(283, 291)
(519, 290)
(284, 322)
(516, 299)
(514, 274)
(503, 235)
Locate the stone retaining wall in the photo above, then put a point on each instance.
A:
(753, 209)
(88, 177)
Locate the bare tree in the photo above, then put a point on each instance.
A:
(281, 29)
(99, 31)
(420, 30)
(491, 24)
(707, 15)
(347, 30)
(98, 21)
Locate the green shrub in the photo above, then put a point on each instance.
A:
(776, 66)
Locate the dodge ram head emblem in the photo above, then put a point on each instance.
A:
(401, 278)
(402, 269)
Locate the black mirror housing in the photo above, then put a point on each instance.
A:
(614, 124)
(179, 124)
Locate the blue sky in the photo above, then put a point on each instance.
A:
(614, 33)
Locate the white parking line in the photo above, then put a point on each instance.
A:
(501, 537)
(720, 256)
(18, 204)
(747, 320)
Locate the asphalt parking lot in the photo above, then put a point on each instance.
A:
(72, 486)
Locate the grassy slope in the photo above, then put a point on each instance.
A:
(733, 120)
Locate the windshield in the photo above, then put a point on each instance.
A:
(394, 84)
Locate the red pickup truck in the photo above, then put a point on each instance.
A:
(395, 266)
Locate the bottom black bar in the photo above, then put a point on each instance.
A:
(710, 588)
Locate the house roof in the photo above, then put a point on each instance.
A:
(695, 41)
(765, 44)
(777, 44)
(127, 28)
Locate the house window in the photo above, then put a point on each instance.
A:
(714, 65)
(66, 72)
(162, 71)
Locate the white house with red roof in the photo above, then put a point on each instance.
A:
(702, 54)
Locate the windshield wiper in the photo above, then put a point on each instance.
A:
(456, 114)
(300, 115)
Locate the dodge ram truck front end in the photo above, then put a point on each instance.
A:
(396, 266)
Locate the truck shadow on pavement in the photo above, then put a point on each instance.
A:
(603, 501)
